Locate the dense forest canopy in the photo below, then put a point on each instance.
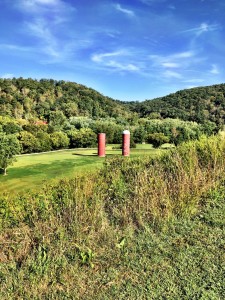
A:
(28, 98)
(199, 104)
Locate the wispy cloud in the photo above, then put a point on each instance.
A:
(39, 29)
(170, 65)
(214, 69)
(46, 30)
(117, 61)
(127, 12)
(174, 66)
(151, 2)
(38, 6)
(185, 54)
(122, 67)
(175, 60)
(135, 60)
(172, 74)
(194, 80)
(100, 57)
(172, 7)
(202, 28)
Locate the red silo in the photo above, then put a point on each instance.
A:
(101, 144)
(126, 143)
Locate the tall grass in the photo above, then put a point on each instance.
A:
(61, 240)
(149, 190)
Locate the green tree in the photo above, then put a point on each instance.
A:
(11, 128)
(83, 138)
(9, 147)
(59, 140)
(157, 139)
(29, 142)
(44, 141)
(57, 119)
(139, 134)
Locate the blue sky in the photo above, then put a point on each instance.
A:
(127, 50)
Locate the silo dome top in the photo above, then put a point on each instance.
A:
(126, 132)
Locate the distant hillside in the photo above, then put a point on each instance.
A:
(197, 104)
(36, 99)
(29, 98)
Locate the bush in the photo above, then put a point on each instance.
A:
(29, 142)
(157, 139)
(83, 138)
(59, 140)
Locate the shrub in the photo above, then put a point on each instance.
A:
(157, 139)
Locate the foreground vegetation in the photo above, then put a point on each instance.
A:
(141, 229)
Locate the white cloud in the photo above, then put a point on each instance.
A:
(122, 67)
(172, 74)
(175, 60)
(170, 65)
(194, 80)
(173, 66)
(150, 2)
(185, 54)
(127, 12)
(203, 27)
(40, 29)
(38, 5)
(47, 30)
(121, 63)
(51, 2)
(214, 69)
(100, 57)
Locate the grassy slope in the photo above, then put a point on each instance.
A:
(29, 171)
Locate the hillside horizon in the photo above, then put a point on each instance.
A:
(31, 98)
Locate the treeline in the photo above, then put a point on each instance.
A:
(199, 104)
(81, 132)
(175, 131)
(77, 132)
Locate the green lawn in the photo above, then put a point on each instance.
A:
(29, 171)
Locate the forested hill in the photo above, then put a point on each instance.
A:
(29, 98)
(197, 104)
(37, 99)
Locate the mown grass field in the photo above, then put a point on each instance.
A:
(30, 171)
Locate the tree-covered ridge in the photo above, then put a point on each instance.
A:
(196, 104)
(28, 98)
(42, 99)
